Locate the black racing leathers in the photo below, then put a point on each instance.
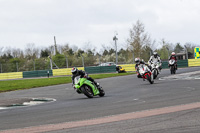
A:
(82, 74)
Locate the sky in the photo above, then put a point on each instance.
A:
(93, 23)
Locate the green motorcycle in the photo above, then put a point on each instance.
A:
(88, 88)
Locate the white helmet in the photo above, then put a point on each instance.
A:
(137, 60)
(74, 70)
(173, 53)
(155, 54)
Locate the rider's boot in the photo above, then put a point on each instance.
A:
(98, 85)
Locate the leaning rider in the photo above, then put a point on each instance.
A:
(155, 58)
(82, 74)
(173, 56)
(137, 63)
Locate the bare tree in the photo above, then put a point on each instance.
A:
(1, 51)
(138, 38)
(31, 51)
(17, 53)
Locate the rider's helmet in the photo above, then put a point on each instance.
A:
(137, 60)
(173, 53)
(74, 70)
(155, 54)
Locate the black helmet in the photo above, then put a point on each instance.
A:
(74, 70)
(155, 54)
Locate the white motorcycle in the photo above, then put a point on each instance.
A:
(155, 69)
(145, 73)
(172, 66)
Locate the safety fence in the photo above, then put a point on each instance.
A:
(100, 69)
(39, 73)
(14, 75)
(90, 70)
(65, 71)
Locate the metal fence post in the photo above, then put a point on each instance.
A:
(1, 67)
(51, 62)
(83, 61)
(17, 66)
(99, 59)
(186, 52)
(66, 61)
(115, 39)
(34, 65)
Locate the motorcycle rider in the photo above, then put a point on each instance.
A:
(155, 58)
(137, 63)
(82, 74)
(173, 56)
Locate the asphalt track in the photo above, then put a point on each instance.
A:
(126, 94)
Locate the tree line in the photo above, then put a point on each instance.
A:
(138, 44)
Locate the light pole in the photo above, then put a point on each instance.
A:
(186, 52)
(115, 39)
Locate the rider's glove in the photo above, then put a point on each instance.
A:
(85, 76)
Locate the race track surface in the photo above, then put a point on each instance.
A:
(125, 94)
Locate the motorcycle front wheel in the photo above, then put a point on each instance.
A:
(149, 79)
(87, 91)
(155, 73)
(101, 92)
(172, 69)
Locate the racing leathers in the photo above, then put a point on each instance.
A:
(155, 59)
(83, 74)
(137, 69)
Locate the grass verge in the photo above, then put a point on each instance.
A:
(11, 85)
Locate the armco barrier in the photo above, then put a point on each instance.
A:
(100, 69)
(65, 71)
(193, 62)
(165, 64)
(128, 67)
(13, 75)
(182, 63)
(39, 73)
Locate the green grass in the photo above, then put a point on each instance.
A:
(11, 85)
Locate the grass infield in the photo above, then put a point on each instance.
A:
(11, 85)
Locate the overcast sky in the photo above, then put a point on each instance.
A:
(78, 22)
